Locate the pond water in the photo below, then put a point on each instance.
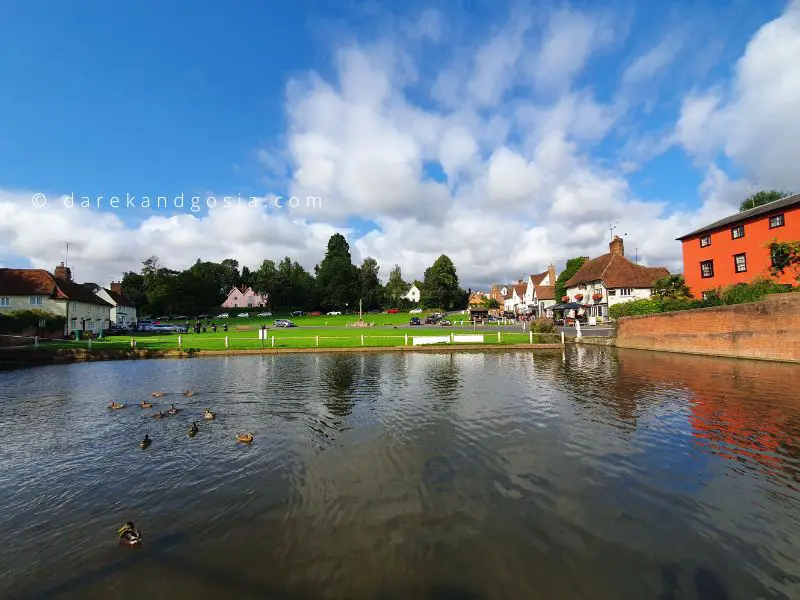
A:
(599, 473)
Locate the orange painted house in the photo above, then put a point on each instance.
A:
(733, 250)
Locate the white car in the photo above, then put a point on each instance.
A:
(415, 311)
(264, 314)
(334, 313)
(242, 315)
(224, 316)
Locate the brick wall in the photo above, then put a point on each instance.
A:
(768, 330)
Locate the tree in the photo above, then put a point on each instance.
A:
(671, 287)
(440, 287)
(337, 276)
(247, 277)
(229, 276)
(395, 288)
(785, 256)
(371, 290)
(133, 286)
(761, 198)
(490, 303)
(572, 266)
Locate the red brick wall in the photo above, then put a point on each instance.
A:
(768, 330)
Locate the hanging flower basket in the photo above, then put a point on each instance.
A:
(597, 297)
(565, 298)
(578, 297)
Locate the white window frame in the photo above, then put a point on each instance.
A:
(5, 302)
(36, 300)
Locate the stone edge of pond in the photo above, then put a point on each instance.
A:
(65, 356)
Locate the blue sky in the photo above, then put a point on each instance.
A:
(201, 97)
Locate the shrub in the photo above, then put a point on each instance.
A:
(19, 321)
(543, 325)
(752, 292)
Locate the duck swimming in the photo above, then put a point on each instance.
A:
(115, 406)
(159, 415)
(245, 438)
(172, 410)
(129, 535)
(193, 430)
(145, 442)
(188, 393)
(146, 404)
(157, 394)
(208, 415)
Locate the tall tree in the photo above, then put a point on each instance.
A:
(264, 281)
(370, 288)
(337, 277)
(133, 286)
(395, 288)
(440, 287)
(247, 277)
(230, 276)
(761, 198)
(573, 264)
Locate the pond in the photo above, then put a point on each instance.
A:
(599, 473)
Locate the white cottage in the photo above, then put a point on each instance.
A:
(123, 310)
(611, 279)
(413, 294)
(25, 289)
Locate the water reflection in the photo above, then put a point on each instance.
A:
(602, 474)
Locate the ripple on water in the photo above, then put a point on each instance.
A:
(601, 474)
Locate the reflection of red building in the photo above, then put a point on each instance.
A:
(743, 410)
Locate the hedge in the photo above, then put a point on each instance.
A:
(18, 321)
(735, 294)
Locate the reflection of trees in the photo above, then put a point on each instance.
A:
(338, 379)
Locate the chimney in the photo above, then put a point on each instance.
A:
(551, 274)
(116, 287)
(62, 272)
(617, 246)
(519, 281)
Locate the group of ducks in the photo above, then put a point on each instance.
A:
(207, 415)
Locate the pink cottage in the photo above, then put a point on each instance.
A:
(244, 297)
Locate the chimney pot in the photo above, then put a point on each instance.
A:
(551, 273)
(62, 272)
(116, 287)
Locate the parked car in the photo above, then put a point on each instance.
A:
(392, 311)
(283, 323)
(431, 320)
(264, 314)
(181, 318)
(166, 328)
(375, 311)
(222, 316)
(242, 315)
(445, 322)
(117, 330)
(415, 311)
(334, 313)
(316, 313)
(143, 325)
(297, 313)
(414, 321)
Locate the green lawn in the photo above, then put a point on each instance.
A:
(298, 337)
(324, 320)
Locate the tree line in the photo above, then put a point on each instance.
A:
(335, 284)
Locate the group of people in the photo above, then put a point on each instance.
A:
(199, 326)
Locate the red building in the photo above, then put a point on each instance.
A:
(734, 249)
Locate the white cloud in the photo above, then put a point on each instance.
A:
(524, 186)
(755, 123)
(654, 61)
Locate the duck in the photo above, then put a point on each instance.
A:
(115, 406)
(129, 535)
(145, 442)
(193, 430)
(157, 394)
(144, 404)
(245, 438)
(208, 415)
(172, 410)
(159, 415)
(188, 393)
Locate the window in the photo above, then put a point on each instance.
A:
(740, 262)
(737, 232)
(626, 292)
(707, 269)
(35, 300)
(776, 221)
(5, 302)
(73, 305)
(705, 241)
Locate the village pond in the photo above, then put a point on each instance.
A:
(596, 473)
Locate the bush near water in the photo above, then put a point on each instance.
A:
(26, 322)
